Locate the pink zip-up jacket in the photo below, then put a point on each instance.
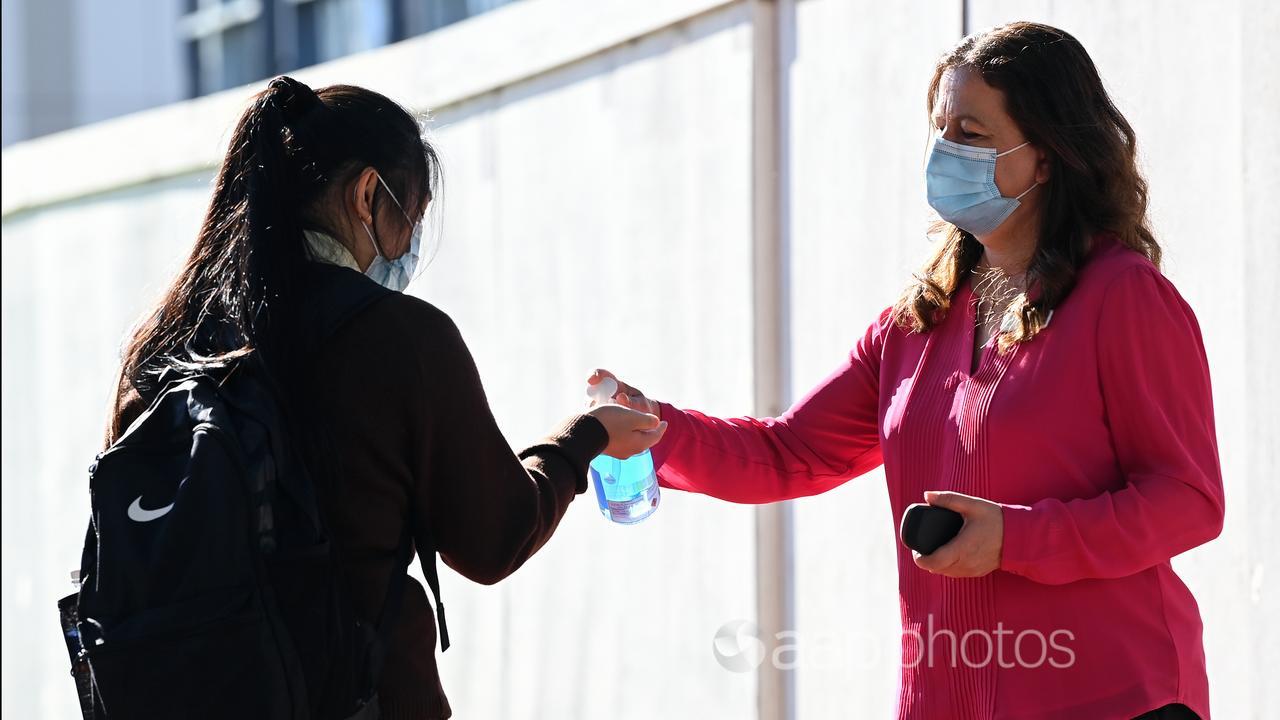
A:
(1098, 439)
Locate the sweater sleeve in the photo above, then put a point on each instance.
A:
(827, 438)
(1155, 386)
(489, 509)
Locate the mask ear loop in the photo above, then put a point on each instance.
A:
(377, 251)
(396, 200)
(1006, 152)
(1035, 184)
(415, 231)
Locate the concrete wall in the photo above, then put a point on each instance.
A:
(13, 122)
(129, 55)
(74, 277)
(598, 193)
(857, 214)
(72, 62)
(594, 215)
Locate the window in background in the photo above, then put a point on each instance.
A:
(229, 40)
(235, 42)
(329, 29)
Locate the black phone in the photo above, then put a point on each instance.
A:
(926, 528)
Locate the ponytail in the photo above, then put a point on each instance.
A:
(239, 290)
(274, 256)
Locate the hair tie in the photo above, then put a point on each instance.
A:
(293, 99)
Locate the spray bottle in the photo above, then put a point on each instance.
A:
(627, 489)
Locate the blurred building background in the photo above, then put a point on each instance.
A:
(73, 62)
(713, 198)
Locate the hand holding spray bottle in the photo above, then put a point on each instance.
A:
(626, 489)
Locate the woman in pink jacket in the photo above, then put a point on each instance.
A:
(1041, 377)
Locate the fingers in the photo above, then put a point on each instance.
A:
(975, 550)
(631, 419)
(595, 378)
(940, 566)
(654, 436)
(629, 441)
(648, 438)
(955, 559)
(624, 390)
(637, 403)
(940, 560)
(950, 500)
(621, 421)
(639, 419)
(599, 374)
(656, 432)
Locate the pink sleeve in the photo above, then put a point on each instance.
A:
(1155, 386)
(827, 438)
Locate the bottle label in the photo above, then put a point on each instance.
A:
(626, 490)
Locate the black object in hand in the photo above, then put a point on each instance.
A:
(926, 528)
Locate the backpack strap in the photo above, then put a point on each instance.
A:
(390, 612)
(428, 553)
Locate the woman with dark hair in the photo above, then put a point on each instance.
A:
(387, 414)
(1041, 378)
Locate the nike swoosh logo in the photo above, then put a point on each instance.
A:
(138, 514)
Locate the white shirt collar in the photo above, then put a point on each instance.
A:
(324, 248)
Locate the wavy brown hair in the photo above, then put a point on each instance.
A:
(1053, 92)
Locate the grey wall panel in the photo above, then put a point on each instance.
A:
(76, 276)
(594, 215)
(1260, 345)
(598, 216)
(859, 132)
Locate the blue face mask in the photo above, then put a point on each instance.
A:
(395, 274)
(961, 182)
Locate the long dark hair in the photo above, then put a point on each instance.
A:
(1053, 92)
(292, 153)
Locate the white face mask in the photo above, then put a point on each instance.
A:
(395, 274)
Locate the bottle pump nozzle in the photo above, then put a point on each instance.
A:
(602, 392)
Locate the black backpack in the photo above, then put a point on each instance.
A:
(208, 586)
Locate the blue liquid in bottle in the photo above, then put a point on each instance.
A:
(627, 490)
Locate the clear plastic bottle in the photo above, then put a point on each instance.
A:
(627, 490)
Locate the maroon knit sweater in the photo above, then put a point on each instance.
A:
(413, 436)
